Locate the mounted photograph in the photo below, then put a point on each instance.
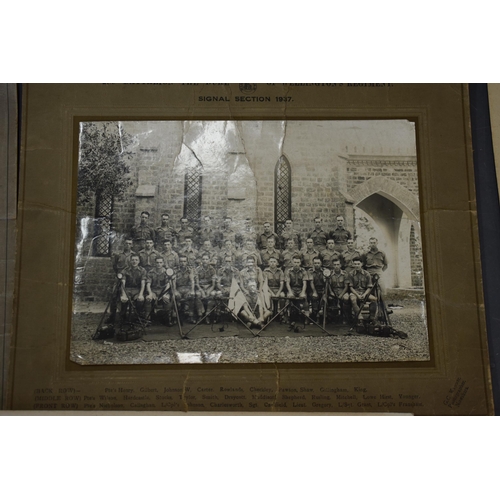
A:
(252, 241)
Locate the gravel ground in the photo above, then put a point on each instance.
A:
(288, 349)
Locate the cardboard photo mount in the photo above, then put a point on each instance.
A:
(454, 382)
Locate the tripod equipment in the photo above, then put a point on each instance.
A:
(108, 331)
(170, 275)
(135, 330)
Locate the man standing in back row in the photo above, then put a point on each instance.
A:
(340, 235)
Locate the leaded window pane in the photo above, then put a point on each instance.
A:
(283, 194)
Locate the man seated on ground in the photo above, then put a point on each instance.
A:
(184, 289)
(296, 279)
(276, 283)
(330, 254)
(133, 285)
(360, 285)
(317, 282)
(339, 287)
(204, 287)
(269, 252)
(252, 280)
(159, 293)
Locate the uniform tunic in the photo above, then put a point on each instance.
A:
(121, 260)
(360, 280)
(171, 259)
(338, 282)
(328, 256)
(340, 236)
(141, 233)
(319, 238)
(267, 254)
(375, 261)
(296, 278)
(148, 259)
(347, 257)
(134, 276)
(308, 256)
(274, 278)
(165, 233)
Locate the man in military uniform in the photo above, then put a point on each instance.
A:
(317, 283)
(227, 232)
(339, 287)
(375, 261)
(262, 238)
(228, 250)
(164, 232)
(159, 293)
(170, 258)
(184, 288)
(119, 261)
(141, 232)
(133, 285)
(296, 279)
(148, 255)
(189, 251)
(206, 232)
(288, 254)
(247, 233)
(360, 285)
(289, 233)
(207, 248)
(269, 252)
(185, 231)
(318, 236)
(275, 281)
(348, 255)
(247, 251)
(309, 254)
(204, 286)
(330, 254)
(225, 276)
(340, 235)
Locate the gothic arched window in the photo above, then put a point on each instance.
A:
(192, 193)
(282, 193)
(102, 224)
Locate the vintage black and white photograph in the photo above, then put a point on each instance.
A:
(257, 241)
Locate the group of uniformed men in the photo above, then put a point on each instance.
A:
(200, 266)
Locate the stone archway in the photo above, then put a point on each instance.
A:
(394, 211)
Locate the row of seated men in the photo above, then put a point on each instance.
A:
(217, 236)
(150, 292)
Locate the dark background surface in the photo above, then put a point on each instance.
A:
(489, 224)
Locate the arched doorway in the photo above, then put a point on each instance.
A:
(388, 211)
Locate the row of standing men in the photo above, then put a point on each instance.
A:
(217, 236)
